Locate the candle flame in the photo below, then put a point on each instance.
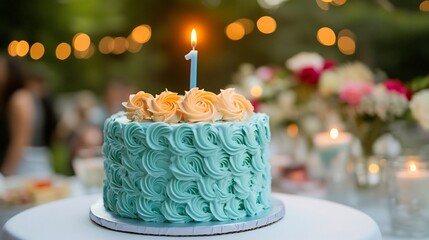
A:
(334, 133)
(193, 38)
(373, 168)
(413, 167)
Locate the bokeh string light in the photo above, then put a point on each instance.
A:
(37, 51)
(326, 36)
(346, 42)
(106, 45)
(141, 34)
(235, 31)
(266, 24)
(11, 49)
(83, 47)
(424, 6)
(22, 48)
(63, 51)
(120, 45)
(81, 42)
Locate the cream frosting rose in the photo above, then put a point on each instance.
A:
(234, 107)
(165, 107)
(200, 106)
(137, 106)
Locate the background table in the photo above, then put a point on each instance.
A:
(305, 218)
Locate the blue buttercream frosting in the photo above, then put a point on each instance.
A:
(185, 172)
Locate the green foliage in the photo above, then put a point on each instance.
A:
(392, 39)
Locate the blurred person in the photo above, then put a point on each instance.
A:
(115, 93)
(79, 127)
(45, 114)
(19, 127)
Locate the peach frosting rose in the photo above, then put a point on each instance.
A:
(137, 106)
(200, 106)
(233, 106)
(165, 107)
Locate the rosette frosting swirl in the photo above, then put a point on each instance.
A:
(235, 208)
(154, 188)
(165, 107)
(157, 136)
(200, 106)
(199, 210)
(189, 167)
(126, 205)
(175, 212)
(183, 140)
(149, 210)
(134, 137)
(137, 106)
(114, 135)
(182, 191)
(232, 139)
(217, 165)
(234, 107)
(206, 138)
(156, 163)
(241, 163)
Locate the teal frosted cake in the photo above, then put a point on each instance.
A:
(201, 157)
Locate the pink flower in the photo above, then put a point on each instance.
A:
(352, 92)
(394, 85)
(309, 76)
(265, 73)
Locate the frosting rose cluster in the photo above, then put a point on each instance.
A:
(196, 106)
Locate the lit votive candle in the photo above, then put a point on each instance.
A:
(331, 139)
(413, 182)
(330, 144)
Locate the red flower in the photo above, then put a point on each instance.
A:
(328, 64)
(309, 76)
(394, 85)
(256, 104)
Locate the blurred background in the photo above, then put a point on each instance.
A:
(67, 65)
(389, 34)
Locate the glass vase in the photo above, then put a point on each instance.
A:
(369, 170)
(408, 181)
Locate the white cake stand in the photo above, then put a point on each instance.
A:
(305, 218)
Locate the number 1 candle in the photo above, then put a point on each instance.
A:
(193, 56)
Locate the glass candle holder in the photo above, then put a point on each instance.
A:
(408, 187)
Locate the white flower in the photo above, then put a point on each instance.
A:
(355, 71)
(383, 104)
(304, 60)
(420, 108)
(331, 81)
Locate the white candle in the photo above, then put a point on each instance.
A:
(331, 139)
(333, 147)
(412, 183)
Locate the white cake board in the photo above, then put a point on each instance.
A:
(102, 217)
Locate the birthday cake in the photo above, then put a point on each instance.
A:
(195, 158)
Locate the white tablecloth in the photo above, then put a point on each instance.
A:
(305, 218)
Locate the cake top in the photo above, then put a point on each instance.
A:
(197, 105)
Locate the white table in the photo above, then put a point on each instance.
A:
(305, 218)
